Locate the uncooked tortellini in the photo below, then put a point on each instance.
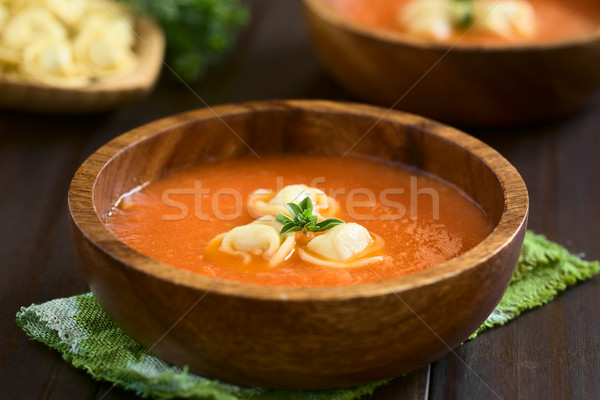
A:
(53, 62)
(30, 25)
(104, 52)
(68, 43)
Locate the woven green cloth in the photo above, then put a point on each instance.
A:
(85, 336)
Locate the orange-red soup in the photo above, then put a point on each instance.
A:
(555, 19)
(166, 221)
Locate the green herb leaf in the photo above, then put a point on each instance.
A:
(326, 224)
(197, 32)
(283, 219)
(295, 210)
(307, 205)
(290, 227)
(464, 10)
(303, 219)
(309, 225)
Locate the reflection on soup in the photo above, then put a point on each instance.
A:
(368, 221)
(480, 21)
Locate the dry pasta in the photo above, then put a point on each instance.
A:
(67, 43)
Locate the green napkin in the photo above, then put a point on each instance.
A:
(85, 336)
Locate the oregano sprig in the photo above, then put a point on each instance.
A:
(303, 219)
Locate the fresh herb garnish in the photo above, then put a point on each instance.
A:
(197, 32)
(465, 12)
(303, 219)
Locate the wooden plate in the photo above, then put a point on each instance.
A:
(99, 96)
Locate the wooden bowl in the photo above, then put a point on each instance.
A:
(297, 337)
(467, 84)
(99, 96)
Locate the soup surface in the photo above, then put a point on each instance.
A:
(555, 19)
(421, 220)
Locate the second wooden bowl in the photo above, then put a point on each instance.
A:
(464, 83)
(297, 337)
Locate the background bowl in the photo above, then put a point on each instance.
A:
(99, 96)
(297, 337)
(467, 84)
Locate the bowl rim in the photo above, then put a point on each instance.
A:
(322, 10)
(83, 214)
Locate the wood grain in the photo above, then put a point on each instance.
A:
(98, 96)
(289, 337)
(558, 161)
(467, 84)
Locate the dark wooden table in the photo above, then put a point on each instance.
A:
(549, 353)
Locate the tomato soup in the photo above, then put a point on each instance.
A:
(419, 220)
(554, 19)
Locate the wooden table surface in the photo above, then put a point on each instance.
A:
(549, 353)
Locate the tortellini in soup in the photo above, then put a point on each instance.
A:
(263, 202)
(259, 238)
(343, 245)
(438, 19)
(341, 242)
(346, 245)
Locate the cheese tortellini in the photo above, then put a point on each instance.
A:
(29, 26)
(508, 19)
(259, 238)
(68, 43)
(53, 62)
(262, 201)
(431, 18)
(345, 245)
(438, 19)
